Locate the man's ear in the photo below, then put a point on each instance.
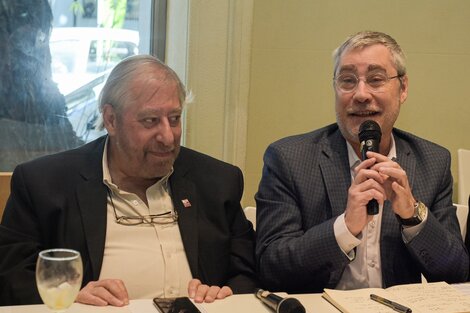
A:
(109, 118)
(403, 89)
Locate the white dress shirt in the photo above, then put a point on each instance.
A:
(149, 258)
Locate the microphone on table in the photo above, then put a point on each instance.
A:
(369, 137)
(279, 304)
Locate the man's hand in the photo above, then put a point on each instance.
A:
(104, 292)
(204, 293)
(396, 185)
(367, 185)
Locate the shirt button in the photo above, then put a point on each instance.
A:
(372, 264)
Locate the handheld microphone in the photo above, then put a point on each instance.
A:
(279, 304)
(369, 136)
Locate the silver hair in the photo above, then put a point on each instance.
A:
(369, 38)
(117, 89)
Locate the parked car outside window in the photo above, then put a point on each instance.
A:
(81, 61)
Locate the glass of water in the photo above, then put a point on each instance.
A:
(59, 275)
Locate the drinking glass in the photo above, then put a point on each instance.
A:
(59, 277)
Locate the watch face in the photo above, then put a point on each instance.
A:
(421, 211)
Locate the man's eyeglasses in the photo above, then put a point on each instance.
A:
(348, 82)
(160, 219)
(169, 217)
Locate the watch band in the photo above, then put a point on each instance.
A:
(418, 216)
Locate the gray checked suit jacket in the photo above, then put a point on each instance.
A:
(304, 188)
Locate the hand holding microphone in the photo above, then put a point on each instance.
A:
(369, 137)
(279, 304)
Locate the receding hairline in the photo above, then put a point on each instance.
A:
(154, 71)
(365, 39)
(119, 86)
(137, 68)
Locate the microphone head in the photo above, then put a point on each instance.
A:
(258, 293)
(290, 305)
(370, 130)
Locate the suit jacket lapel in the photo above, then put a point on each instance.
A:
(408, 162)
(91, 195)
(334, 164)
(388, 233)
(184, 196)
(406, 159)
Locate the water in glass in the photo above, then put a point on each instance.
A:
(59, 277)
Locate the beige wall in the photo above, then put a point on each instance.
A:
(217, 71)
(262, 70)
(291, 69)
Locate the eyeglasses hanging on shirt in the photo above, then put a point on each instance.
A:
(169, 217)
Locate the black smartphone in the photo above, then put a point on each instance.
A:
(175, 305)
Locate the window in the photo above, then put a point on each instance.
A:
(50, 101)
(82, 58)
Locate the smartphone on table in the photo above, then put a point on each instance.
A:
(175, 305)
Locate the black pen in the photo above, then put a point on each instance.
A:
(395, 306)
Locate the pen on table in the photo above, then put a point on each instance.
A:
(395, 306)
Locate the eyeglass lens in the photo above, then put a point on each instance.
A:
(348, 82)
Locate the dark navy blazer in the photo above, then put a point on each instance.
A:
(60, 201)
